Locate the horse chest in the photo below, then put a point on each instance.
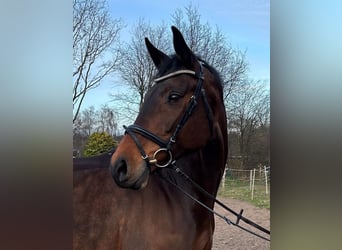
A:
(108, 217)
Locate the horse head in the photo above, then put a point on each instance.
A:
(180, 114)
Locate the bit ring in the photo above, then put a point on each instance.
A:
(155, 161)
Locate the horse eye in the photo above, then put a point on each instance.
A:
(174, 97)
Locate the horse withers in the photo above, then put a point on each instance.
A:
(182, 123)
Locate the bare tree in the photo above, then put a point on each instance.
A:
(213, 46)
(83, 127)
(106, 120)
(95, 40)
(126, 105)
(90, 121)
(247, 101)
(137, 68)
(249, 111)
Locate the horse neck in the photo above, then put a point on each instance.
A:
(205, 166)
(212, 168)
(214, 155)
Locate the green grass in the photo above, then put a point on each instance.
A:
(238, 189)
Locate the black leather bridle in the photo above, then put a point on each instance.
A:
(166, 146)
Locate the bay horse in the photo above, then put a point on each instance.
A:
(182, 123)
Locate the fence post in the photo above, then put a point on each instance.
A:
(253, 183)
(266, 179)
(250, 179)
(224, 177)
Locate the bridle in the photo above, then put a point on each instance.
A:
(166, 146)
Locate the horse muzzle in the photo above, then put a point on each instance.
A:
(125, 177)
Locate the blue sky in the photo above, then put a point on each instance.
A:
(246, 23)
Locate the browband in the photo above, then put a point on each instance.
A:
(183, 71)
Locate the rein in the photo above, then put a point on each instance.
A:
(213, 198)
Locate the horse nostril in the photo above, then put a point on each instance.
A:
(121, 171)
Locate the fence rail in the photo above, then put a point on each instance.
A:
(255, 180)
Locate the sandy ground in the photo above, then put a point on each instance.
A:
(231, 237)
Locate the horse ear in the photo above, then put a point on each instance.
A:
(157, 56)
(181, 48)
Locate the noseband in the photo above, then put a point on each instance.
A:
(165, 146)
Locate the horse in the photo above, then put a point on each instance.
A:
(93, 162)
(140, 200)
